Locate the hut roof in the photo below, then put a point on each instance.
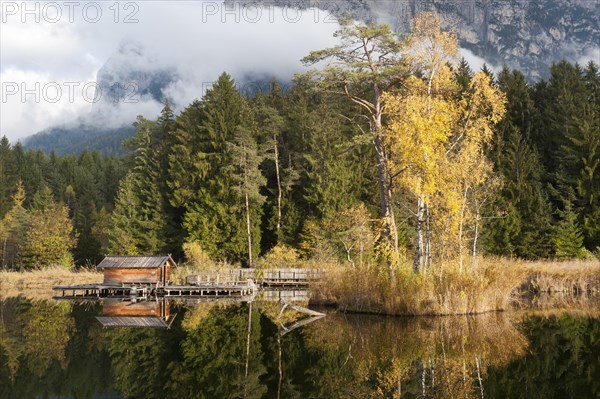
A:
(123, 321)
(135, 262)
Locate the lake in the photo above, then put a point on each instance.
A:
(51, 349)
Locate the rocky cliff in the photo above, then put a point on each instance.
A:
(525, 34)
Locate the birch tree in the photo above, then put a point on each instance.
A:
(437, 139)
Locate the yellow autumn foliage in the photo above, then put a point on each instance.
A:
(437, 137)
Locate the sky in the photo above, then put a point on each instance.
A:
(51, 52)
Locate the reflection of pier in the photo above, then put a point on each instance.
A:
(223, 292)
(208, 290)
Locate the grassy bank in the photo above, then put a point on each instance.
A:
(566, 277)
(37, 284)
(493, 285)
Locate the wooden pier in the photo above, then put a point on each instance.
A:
(225, 289)
(262, 277)
(238, 284)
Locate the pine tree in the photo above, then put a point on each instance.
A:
(214, 215)
(8, 176)
(366, 64)
(568, 237)
(247, 182)
(124, 235)
(271, 124)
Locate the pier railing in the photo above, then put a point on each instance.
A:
(262, 277)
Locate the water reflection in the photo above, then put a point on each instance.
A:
(242, 350)
(147, 313)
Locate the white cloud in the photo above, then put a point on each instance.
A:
(197, 39)
(476, 62)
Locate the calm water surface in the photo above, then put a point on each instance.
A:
(61, 350)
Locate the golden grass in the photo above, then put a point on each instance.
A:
(575, 276)
(491, 286)
(37, 284)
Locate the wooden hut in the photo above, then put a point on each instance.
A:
(125, 270)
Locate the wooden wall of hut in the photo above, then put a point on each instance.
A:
(132, 275)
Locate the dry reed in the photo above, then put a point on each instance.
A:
(37, 284)
(575, 276)
(488, 287)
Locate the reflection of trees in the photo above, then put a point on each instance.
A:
(204, 356)
(37, 332)
(139, 358)
(213, 357)
(564, 361)
(438, 357)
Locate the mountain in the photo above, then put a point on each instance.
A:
(127, 84)
(75, 139)
(524, 34)
(528, 35)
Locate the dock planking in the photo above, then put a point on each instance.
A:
(229, 283)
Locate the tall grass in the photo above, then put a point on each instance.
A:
(577, 276)
(488, 287)
(37, 284)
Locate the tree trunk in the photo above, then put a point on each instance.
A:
(461, 230)
(385, 192)
(428, 261)
(475, 238)
(279, 194)
(248, 231)
(419, 244)
(248, 226)
(279, 364)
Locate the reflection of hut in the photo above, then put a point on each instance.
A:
(122, 270)
(125, 313)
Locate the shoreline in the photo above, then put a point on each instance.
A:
(576, 281)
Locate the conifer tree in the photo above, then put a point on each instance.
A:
(523, 228)
(124, 235)
(366, 64)
(568, 237)
(8, 176)
(210, 194)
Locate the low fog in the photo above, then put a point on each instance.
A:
(49, 68)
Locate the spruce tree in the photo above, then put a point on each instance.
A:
(124, 234)
(8, 176)
(214, 214)
(568, 237)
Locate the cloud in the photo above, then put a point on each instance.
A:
(476, 62)
(196, 39)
